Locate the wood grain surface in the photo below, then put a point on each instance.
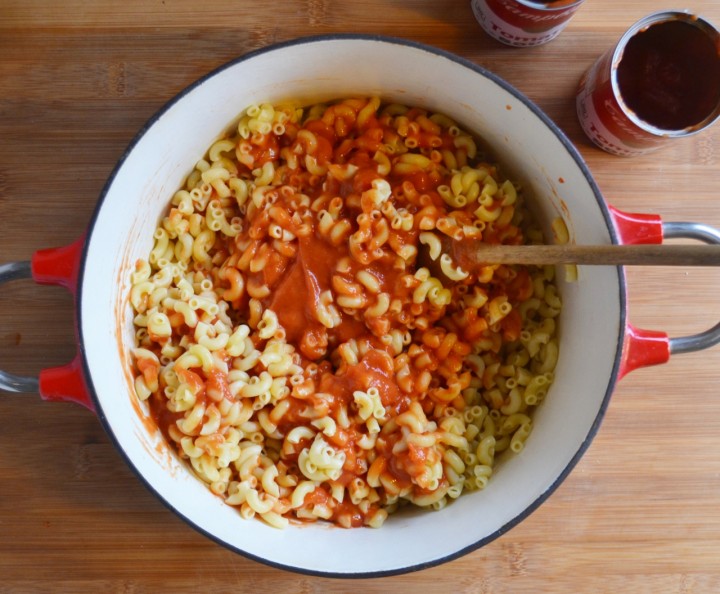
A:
(641, 511)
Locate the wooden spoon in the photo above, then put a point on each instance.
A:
(602, 255)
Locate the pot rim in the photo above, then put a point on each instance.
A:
(476, 69)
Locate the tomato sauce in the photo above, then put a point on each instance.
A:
(164, 418)
(374, 370)
(669, 75)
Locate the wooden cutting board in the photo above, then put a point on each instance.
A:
(640, 512)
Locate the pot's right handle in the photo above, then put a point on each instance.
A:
(701, 232)
(55, 266)
(649, 347)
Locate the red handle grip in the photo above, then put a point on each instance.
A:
(641, 348)
(66, 384)
(61, 266)
(637, 228)
(58, 266)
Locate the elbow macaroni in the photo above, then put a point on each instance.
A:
(294, 350)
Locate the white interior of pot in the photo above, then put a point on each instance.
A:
(320, 69)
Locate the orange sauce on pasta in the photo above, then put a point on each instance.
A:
(375, 370)
(329, 247)
(164, 417)
(297, 295)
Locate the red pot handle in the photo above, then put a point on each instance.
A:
(649, 347)
(56, 266)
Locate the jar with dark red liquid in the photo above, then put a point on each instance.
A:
(661, 81)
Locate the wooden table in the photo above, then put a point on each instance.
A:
(641, 511)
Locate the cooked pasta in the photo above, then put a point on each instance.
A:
(309, 336)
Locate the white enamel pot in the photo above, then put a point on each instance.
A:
(97, 269)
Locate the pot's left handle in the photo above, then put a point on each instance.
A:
(56, 266)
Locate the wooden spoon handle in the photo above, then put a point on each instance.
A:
(602, 255)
